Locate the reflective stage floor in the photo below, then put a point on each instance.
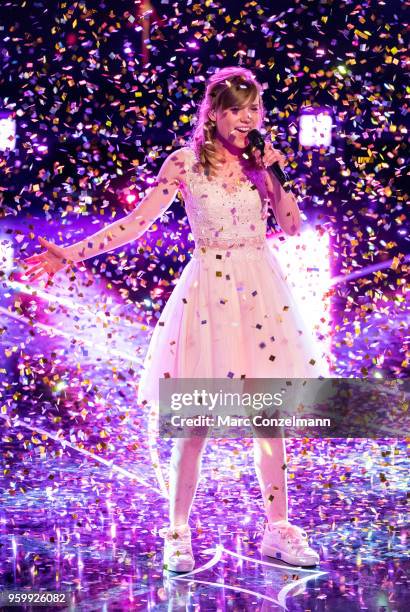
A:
(81, 500)
(69, 522)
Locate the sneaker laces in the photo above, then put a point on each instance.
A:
(178, 536)
(294, 534)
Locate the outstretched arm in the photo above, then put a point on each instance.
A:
(120, 232)
(132, 226)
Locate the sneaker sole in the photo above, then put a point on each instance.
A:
(269, 551)
(182, 567)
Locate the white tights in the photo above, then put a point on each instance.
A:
(270, 467)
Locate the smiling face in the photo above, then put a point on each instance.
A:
(235, 122)
(231, 107)
(235, 109)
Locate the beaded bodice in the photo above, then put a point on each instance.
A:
(224, 211)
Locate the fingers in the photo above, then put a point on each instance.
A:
(42, 258)
(273, 157)
(36, 275)
(259, 158)
(33, 276)
(269, 157)
(39, 256)
(36, 271)
(52, 248)
(27, 266)
(33, 269)
(32, 260)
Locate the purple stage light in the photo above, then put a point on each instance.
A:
(7, 131)
(6, 255)
(315, 127)
(41, 148)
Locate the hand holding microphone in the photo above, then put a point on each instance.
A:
(273, 159)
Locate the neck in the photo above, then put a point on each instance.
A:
(227, 151)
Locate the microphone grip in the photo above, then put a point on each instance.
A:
(280, 175)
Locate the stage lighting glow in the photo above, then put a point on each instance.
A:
(41, 148)
(131, 198)
(6, 256)
(305, 261)
(60, 386)
(315, 127)
(7, 132)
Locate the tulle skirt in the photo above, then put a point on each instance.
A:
(232, 314)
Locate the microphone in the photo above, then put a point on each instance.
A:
(256, 140)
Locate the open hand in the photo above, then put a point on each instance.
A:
(50, 261)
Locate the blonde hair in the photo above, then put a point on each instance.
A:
(231, 86)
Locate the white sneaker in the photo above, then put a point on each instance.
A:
(289, 543)
(178, 555)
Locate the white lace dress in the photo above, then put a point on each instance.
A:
(232, 313)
